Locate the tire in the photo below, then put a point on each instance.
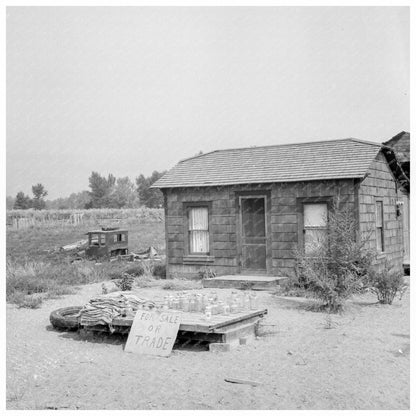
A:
(64, 318)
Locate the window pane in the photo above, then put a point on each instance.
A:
(199, 241)
(94, 240)
(253, 217)
(198, 218)
(379, 214)
(379, 238)
(315, 241)
(315, 215)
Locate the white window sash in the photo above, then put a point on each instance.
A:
(198, 230)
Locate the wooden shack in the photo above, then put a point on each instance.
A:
(245, 211)
(400, 144)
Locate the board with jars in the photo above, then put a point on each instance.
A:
(211, 304)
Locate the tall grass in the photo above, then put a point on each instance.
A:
(39, 280)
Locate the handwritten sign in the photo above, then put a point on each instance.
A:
(153, 332)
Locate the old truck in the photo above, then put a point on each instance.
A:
(107, 242)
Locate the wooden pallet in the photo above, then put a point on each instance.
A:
(221, 332)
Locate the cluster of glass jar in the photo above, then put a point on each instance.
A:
(210, 304)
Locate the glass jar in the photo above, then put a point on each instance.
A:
(247, 303)
(208, 313)
(198, 303)
(185, 304)
(214, 308)
(253, 301)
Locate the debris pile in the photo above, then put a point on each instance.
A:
(149, 254)
(78, 245)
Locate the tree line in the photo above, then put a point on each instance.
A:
(105, 192)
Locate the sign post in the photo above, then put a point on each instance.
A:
(153, 332)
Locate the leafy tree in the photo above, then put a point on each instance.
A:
(10, 202)
(124, 194)
(22, 201)
(79, 200)
(39, 192)
(73, 201)
(101, 189)
(151, 198)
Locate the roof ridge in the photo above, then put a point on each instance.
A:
(283, 145)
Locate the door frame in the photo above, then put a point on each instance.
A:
(239, 231)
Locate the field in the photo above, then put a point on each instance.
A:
(146, 228)
(37, 269)
(303, 359)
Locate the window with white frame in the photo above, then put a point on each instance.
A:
(198, 230)
(379, 226)
(315, 227)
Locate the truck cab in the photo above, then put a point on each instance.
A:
(107, 243)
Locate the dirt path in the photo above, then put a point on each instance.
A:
(361, 362)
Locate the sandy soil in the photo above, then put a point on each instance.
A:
(358, 360)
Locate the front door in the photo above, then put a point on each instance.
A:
(253, 234)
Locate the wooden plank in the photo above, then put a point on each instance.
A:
(241, 318)
(196, 321)
(242, 381)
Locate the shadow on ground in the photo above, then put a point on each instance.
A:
(116, 338)
(303, 304)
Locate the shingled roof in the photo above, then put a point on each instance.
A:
(336, 159)
(401, 146)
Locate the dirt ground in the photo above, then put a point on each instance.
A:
(309, 360)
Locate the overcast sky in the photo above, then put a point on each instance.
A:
(126, 90)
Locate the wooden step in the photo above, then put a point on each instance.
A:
(244, 282)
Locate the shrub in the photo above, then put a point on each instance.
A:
(135, 269)
(291, 287)
(116, 269)
(31, 302)
(385, 284)
(126, 282)
(340, 263)
(206, 273)
(159, 270)
(22, 300)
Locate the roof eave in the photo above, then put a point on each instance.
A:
(231, 183)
